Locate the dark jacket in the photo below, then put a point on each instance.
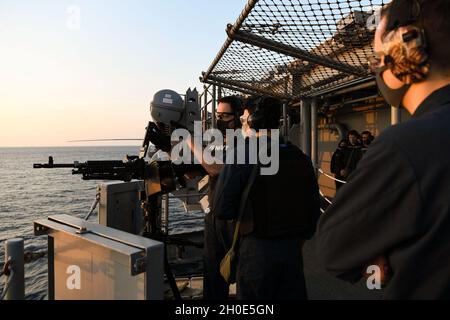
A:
(352, 156)
(397, 204)
(231, 183)
(283, 205)
(338, 161)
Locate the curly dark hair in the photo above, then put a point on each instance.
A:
(409, 61)
(270, 109)
(235, 102)
(431, 16)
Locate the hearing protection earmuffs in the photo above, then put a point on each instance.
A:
(257, 119)
(406, 51)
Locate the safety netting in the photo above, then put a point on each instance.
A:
(293, 49)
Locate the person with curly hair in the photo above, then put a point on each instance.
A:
(393, 215)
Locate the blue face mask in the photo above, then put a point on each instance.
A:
(393, 97)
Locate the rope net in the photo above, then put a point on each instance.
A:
(292, 49)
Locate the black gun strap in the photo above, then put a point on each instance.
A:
(242, 204)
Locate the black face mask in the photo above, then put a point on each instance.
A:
(223, 125)
(393, 97)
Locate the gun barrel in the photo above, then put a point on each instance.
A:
(52, 165)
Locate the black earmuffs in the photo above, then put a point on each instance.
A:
(257, 119)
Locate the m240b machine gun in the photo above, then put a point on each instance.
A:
(132, 168)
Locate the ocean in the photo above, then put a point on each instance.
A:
(28, 194)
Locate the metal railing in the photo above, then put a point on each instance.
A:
(329, 176)
(13, 269)
(8, 271)
(306, 46)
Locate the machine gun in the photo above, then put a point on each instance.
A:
(160, 177)
(168, 110)
(131, 168)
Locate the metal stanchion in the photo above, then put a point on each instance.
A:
(214, 106)
(15, 253)
(305, 109)
(314, 133)
(165, 203)
(395, 115)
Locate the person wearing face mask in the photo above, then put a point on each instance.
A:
(271, 225)
(217, 233)
(394, 211)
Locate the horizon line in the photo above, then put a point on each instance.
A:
(67, 146)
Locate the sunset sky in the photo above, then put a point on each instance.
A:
(65, 76)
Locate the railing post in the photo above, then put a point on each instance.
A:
(213, 107)
(395, 115)
(205, 108)
(285, 121)
(314, 134)
(306, 126)
(165, 208)
(15, 252)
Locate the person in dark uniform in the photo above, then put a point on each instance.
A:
(396, 205)
(366, 139)
(352, 154)
(281, 212)
(338, 163)
(217, 233)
